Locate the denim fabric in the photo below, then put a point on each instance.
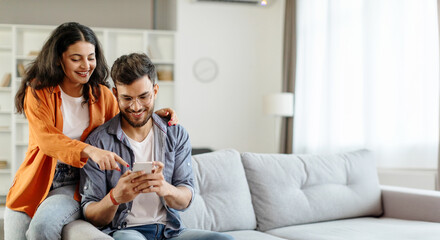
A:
(128, 234)
(64, 175)
(57, 210)
(196, 234)
(16, 224)
(150, 232)
(172, 148)
(155, 232)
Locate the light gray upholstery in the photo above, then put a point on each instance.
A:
(299, 197)
(361, 229)
(296, 189)
(252, 235)
(411, 204)
(83, 230)
(222, 201)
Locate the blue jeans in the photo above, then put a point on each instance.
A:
(155, 232)
(58, 209)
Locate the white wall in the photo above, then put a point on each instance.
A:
(246, 42)
(413, 178)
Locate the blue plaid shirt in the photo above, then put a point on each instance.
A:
(171, 146)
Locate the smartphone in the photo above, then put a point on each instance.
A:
(147, 167)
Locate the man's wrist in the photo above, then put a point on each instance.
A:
(112, 198)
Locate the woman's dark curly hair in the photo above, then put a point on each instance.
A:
(46, 71)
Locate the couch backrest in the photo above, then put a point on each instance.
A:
(297, 189)
(222, 199)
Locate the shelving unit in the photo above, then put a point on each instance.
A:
(6, 122)
(20, 44)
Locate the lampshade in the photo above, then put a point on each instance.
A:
(278, 104)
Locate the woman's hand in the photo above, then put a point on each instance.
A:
(106, 160)
(170, 113)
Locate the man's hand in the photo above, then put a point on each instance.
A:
(102, 213)
(175, 197)
(125, 189)
(154, 182)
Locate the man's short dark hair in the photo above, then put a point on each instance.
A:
(127, 68)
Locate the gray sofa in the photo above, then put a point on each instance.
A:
(278, 196)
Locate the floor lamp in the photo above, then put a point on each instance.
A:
(278, 105)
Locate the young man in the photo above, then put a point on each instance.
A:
(139, 205)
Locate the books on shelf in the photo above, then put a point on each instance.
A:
(4, 128)
(6, 80)
(3, 164)
(33, 53)
(21, 70)
(164, 73)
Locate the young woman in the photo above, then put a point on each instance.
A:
(64, 96)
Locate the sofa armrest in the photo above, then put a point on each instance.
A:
(411, 204)
(80, 229)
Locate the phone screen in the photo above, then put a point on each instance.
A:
(143, 166)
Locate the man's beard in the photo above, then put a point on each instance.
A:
(134, 124)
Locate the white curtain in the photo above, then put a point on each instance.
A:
(368, 77)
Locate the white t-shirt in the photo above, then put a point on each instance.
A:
(75, 120)
(147, 207)
(75, 115)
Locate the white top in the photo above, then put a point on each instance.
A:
(147, 207)
(75, 115)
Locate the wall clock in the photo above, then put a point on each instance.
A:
(205, 70)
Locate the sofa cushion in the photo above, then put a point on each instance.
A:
(297, 189)
(222, 199)
(367, 228)
(252, 235)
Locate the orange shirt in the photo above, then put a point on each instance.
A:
(47, 144)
